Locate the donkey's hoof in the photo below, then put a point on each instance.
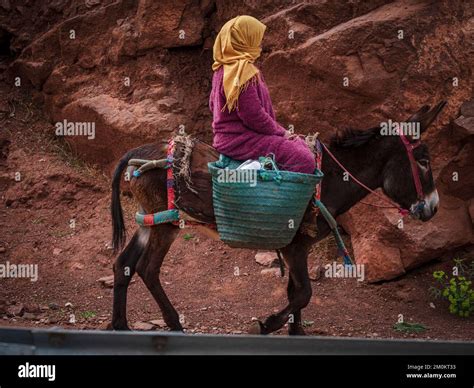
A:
(296, 330)
(256, 328)
(111, 326)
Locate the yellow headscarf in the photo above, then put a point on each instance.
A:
(236, 47)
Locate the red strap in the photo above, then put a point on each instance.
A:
(414, 168)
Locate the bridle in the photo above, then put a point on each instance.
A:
(413, 164)
(409, 147)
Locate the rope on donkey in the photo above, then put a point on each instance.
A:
(172, 215)
(184, 168)
(146, 165)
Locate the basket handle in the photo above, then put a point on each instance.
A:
(264, 173)
(223, 161)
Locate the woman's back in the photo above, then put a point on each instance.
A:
(231, 122)
(243, 121)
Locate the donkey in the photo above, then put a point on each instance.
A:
(376, 160)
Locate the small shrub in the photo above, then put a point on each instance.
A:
(457, 290)
(88, 314)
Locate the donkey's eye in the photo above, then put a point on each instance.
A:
(425, 163)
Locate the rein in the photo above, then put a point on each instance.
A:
(409, 147)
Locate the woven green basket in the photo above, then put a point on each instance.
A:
(260, 213)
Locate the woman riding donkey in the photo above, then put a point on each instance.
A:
(245, 128)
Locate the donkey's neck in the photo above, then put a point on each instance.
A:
(366, 163)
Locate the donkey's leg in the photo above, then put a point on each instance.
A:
(294, 323)
(124, 269)
(299, 288)
(299, 285)
(161, 238)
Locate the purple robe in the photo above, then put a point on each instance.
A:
(250, 130)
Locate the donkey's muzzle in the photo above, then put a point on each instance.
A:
(430, 206)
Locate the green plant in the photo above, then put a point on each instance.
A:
(188, 236)
(457, 290)
(409, 327)
(88, 314)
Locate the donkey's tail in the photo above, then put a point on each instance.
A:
(118, 225)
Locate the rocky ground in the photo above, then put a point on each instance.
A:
(73, 289)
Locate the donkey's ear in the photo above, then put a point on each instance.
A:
(425, 116)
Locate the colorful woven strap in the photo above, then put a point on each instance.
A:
(342, 250)
(318, 153)
(169, 175)
(157, 218)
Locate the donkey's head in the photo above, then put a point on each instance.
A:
(407, 176)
